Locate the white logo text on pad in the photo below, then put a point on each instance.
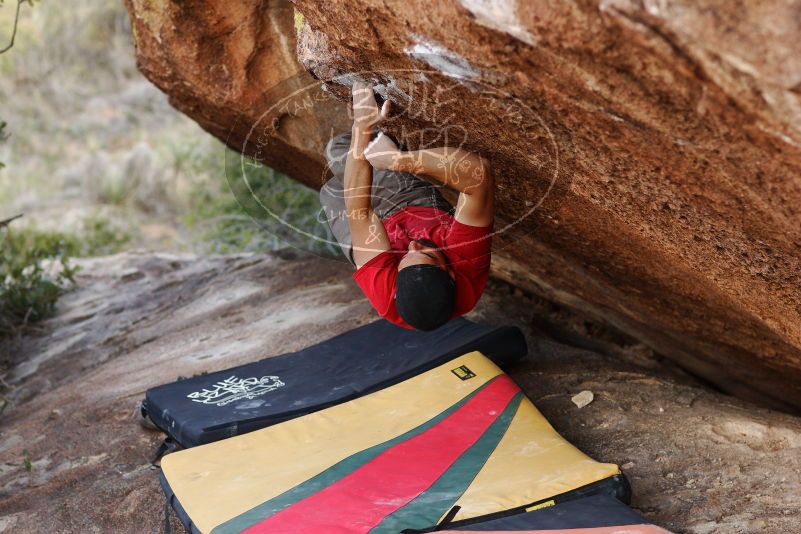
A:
(234, 389)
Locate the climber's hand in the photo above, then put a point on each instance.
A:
(365, 109)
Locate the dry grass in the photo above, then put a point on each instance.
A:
(92, 140)
(90, 137)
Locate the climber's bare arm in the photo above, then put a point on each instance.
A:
(366, 229)
(459, 169)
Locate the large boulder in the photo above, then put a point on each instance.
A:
(647, 153)
(230, 66)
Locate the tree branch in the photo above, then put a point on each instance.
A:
(5, 222)
(14, 29)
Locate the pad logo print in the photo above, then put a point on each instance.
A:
(234, 389)
(463, 372)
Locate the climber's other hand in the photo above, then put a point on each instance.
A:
(365, 109)
(382, 153)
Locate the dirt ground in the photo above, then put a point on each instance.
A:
(699, 462)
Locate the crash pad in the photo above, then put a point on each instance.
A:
(241, 399)
(599, 514)
(459, 435)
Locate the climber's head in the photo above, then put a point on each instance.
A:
(425, 291)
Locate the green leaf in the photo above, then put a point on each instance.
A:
(26, 459)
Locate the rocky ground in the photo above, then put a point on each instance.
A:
(699, 461)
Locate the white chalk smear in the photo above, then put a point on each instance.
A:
(441, 59)
(499, 15)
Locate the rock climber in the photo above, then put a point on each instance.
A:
(419, 261)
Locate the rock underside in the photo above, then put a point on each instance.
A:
(647, 154)
(699, 462)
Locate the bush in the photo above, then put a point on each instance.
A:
(99, 238)
(258, 209)
(34, 272)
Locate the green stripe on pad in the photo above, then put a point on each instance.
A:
(332, 474)
(426, 509)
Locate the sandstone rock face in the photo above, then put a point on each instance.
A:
(231, 67)
(647, 153)
(699, 462)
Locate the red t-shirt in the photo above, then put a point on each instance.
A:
(466, 247)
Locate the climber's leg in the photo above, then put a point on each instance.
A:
(332, 194)
(392, 190)
(336, 153)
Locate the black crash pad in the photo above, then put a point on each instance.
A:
(218, 405)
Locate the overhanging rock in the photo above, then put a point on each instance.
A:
(647, 154)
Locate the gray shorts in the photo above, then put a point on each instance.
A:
(391, 191)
